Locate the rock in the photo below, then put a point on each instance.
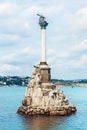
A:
(43, 98)
(26, 101)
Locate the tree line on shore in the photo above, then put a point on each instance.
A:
(23, 81)
(13, 80)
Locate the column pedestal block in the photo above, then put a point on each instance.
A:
(45, 72)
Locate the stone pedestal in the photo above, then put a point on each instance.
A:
(45, 72)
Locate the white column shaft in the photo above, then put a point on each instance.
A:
(43, 45)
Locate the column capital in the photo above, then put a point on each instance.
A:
(43, 63)
(43, 25)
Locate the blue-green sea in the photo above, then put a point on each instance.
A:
(10, 100)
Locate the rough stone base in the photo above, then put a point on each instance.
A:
(43, 99)
(62, 111)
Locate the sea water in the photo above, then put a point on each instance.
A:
(11, 98)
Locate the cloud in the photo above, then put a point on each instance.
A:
(7, 58)
(24, 55)
(7, 69)
(78, 20)
(80, 46)
(12, 20)
(28, 51)
(58, 54)
(56, 38)
(11, 38)
(7, 8)
(81, 62)
(18, 62)
(47, 9)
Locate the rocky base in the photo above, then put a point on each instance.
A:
(42, 98)
(59, 111)
(42, 101)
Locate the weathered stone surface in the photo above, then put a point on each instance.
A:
(42, 98)
(45, 72)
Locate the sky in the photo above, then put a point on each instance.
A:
(66, 37)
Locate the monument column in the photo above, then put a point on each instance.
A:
(43, 45)
(45, 70)
(43, 24)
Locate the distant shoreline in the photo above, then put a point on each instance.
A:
(56, 84)
(80, 84)
(71, 84)
(23, 81)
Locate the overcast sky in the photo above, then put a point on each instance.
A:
(66, 37)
